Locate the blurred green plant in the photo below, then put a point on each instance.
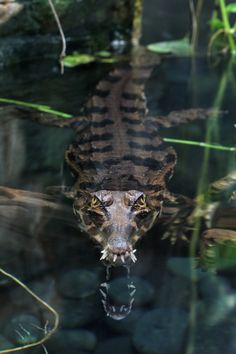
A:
(38, 107)
(180, 47)
(223, 28)
(77, 59)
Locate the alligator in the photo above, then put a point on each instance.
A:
(120, 163)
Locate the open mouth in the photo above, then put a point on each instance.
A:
(118, 257)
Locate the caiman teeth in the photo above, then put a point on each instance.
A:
(104, 254)
(132, 256)
(128, 254)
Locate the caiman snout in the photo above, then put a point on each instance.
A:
(118, 251)
(118, 245)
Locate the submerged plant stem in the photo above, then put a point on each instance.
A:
(201, 144)
(200, 202)
(63, 39)
(137, 22)
(39, 107)
(44, 304)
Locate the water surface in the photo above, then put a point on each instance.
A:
(174, 308)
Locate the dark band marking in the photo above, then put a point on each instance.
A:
(131, 120)
(102, 123)
(107, 148)
(134, 184)
(101, 93)
(151, 163)
(170, 158)
(78, 124)
(86, 165)
(141, 134)
(95, 137)
(147, 147)
(87, 185)
(130, 96)
(97, 110)
(113, 78)
(132, 110)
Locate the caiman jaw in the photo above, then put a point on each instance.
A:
(118, 258)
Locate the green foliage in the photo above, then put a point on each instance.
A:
(77, 59)
(38, 107)
(218, 254)
(231, 8)
(223, 28)
(181, 47)
(73, 60)
(216, 24)
(200, 144)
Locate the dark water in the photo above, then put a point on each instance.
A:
(174, 309)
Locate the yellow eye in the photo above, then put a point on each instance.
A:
(142, 201)
(95, 202)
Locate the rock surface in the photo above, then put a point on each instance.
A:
(78, 284)
(28, 29)
(160, 331)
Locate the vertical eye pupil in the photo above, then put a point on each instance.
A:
(95, 202)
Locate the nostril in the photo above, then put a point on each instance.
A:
(119, 245)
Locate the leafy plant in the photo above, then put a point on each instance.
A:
(76, 59)
(181, 47)
(223, 27)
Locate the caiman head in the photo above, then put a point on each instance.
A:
(116, 220)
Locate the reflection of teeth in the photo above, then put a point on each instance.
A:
(132, 256)
(131, 286)
(104, 255)
(103, 293)
(122, 258)
(114, 258)
(133, 292)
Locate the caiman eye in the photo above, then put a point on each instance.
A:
(140, 203)
(95, 202)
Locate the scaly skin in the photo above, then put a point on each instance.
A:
(120, 163)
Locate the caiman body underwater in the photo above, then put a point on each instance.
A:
(120, 163)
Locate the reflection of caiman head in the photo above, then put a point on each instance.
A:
(116, 220)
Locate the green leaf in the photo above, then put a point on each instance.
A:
(38, 107)
(216, 24)
(231, 8)
(201, 144)
(103, 54)
(73, 60)
(180, 47)
(107, 60)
